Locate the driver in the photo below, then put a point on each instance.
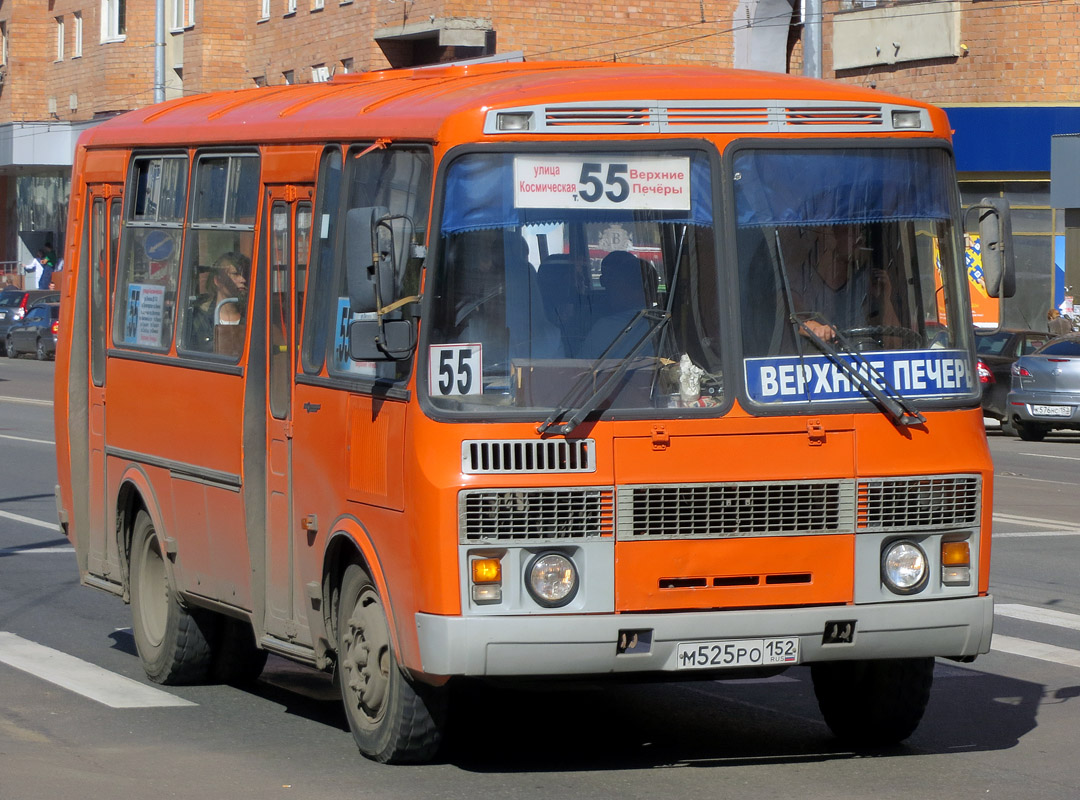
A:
(831, 274)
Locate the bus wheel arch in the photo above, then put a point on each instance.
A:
(133, 496)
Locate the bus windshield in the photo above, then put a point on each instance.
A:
(560, 271)
(848, 249)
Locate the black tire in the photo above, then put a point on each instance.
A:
(873, 703)
(11, 352)
(173, 641)
(392, 719)
(1030, 431)
(237, 659)
(39, 351)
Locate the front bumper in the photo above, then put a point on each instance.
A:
(587, 644)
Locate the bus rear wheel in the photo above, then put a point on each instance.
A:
(873, 703)
(173, 641)
(392, 719)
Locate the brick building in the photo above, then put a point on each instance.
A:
(1006, 71)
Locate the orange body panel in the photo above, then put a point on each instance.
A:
(653, 576)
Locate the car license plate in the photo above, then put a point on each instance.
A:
(1051, 411)
(737, 653)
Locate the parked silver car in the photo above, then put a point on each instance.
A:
(1046, 389)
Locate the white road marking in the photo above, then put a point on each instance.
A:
(52, 526)
(1050, 523)
(1026, 534)
(82, 677)
(30, 550)
(26, 439)
(1002, 476)
(1046, 455)
(1043, 652)
(1046, 616)
(28, 400)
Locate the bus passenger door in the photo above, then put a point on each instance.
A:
(289, 232)
(104, 233)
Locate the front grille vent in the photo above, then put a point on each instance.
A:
(518, 456)
(811, 116)
(932, 502)
(532, 515)
(574, 116)
(731, 510)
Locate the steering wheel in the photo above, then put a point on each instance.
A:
(879, 332)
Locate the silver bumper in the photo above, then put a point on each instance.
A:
(587, 644)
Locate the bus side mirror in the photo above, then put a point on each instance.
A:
(996, 246)
(381, 340)
(369, 263)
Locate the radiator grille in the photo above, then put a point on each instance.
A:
(920, 503)
(515, 456)
(529, 515)
(735, 510)
(577, 116)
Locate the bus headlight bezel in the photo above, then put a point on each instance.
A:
(905, 569)
(535, 579)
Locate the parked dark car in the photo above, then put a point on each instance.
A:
(14, 304)
(1046, 389)
(996, 351)
(35, 333)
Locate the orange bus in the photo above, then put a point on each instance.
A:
(524, 370)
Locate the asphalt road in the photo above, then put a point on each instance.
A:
(1001, 727)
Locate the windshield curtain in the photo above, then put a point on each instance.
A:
(858, 244)
(548, 260)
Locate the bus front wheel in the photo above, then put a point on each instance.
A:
(173, 641)
(391, 718)
(873, 703)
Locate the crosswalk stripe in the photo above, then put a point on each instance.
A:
(30, 550)
(82, 677)
(52, 526)
(1043, 652)
(1048, 523)
(1028, 534)
(1046, 616)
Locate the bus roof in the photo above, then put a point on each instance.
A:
(446, 102)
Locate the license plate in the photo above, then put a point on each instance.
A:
(737, 653)
(1052, 411)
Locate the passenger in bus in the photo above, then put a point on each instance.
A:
(222, 306)
(623, 277)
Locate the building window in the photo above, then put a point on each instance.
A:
(346, 65)
(59, 38)
(183, 14)
(265, 12)
(3, 43)
(320, 73)
(76, 47)
(289, 76)
(316, 5)
(113, 20)
(290, 7)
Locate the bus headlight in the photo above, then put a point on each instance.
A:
(904, 567)
(552, 579)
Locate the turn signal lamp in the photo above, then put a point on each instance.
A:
(487, 570)
(955, 563)
(487, 580)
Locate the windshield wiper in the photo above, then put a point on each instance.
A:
(656, 319)
(886, 395)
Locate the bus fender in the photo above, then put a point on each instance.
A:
(135, 489)
(351, 540)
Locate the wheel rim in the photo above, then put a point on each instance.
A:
(153, 593)
(365, 657)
